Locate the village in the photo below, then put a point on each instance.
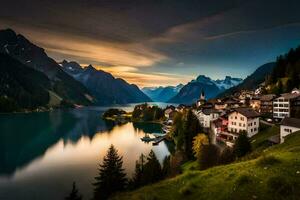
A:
(223, 119)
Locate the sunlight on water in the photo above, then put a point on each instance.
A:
(45, 165)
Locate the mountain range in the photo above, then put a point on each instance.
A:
(252, 81)
(104, 87)
(62, 85)
(162, 94)
(190, 93)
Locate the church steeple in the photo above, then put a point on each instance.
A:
(202, 95)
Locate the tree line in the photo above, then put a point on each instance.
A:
(285, 75)
(112, 178)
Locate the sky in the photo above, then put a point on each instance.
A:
(159, 42)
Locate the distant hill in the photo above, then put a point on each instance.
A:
(106, 88)
(63, 85)
(286, 74)
(252, 81)
(21, 87)
(190, 93)
(162, 94)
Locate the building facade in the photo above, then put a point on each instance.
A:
(282, 105)
(243, 119)
(288, 126)
(266, 103)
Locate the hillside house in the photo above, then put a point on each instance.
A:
(288, 126)
(282, 105)
(255, 103)
(266, 103)
(243, 119)
(206, 116)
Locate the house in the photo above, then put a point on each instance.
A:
(206, 116)
(295, 107)
(255, 103)
(295, 91)
(266, 103)
(169, 112)
(288, 126)
(243, 119)
(282, 105)
(220, 106)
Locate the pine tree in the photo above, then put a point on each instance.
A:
(152, 169)
(74, 194)
(111, 176)
(166, 169)
(138, 176)
(191, 129)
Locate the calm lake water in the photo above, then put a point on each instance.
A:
(41, 154)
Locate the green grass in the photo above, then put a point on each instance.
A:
(273, 175)
(260, 140)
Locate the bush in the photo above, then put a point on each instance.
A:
(209, 156)
(242, 145)
(226, 156)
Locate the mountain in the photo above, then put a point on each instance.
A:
(106, 88)
(190, 93)
(21, 87)
(252, 81)
(162, 94)
(285, 75)
(63, 85)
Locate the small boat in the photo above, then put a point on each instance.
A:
(147, 138)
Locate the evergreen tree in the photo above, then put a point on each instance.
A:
(138, 176)
(74, 194)
(191, 129)
(152, 169)
(111, 176)
(166, 169)
(242, 145)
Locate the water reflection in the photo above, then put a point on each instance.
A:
(45, 152)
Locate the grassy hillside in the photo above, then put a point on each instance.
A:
(273, 175)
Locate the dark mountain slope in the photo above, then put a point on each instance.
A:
(18, 47)
(21, 86)
(106, 88)
(252, 81)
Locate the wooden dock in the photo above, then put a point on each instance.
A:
(157, 140)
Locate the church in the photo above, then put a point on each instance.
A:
(201, 100)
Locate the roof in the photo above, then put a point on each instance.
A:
(247, 112)
(289, 95)
(293, 122)
(267, 97)
(209, 111)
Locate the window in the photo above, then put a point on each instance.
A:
(255, 129)
(242, 118)
(240, 124)
(254, 123)
(251, 130)
(244, 125)
(235, 117)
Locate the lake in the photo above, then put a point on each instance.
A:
(41, 154)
